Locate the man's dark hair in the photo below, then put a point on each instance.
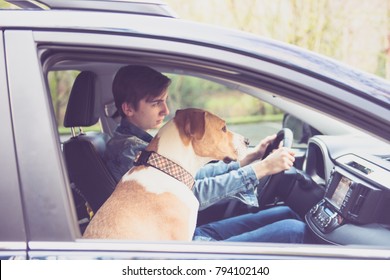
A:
(135, 82)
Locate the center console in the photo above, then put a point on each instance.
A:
(347, 200)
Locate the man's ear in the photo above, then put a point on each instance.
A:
(128, 109)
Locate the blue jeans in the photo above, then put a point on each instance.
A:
(277, 224)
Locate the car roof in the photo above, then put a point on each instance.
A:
(371, 86)
(145, 7)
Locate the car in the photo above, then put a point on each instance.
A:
(53, 177)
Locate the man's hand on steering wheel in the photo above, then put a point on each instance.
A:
(258, 152)
(267, 146)
(284, 138)
(277, 161)
(261, 148)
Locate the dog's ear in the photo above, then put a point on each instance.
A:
(193, 122)
(195, 125)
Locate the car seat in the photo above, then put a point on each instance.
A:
(84, 151)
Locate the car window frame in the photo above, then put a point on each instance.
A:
(13, 233)
(49, 215)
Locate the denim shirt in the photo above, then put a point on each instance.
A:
(213, 183)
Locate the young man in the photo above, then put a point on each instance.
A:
(140, 95)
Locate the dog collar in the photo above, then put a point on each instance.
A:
(153, 159)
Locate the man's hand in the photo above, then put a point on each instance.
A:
(262, 146)
(258, 152)
(280, 160)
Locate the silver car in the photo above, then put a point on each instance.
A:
(340, 118)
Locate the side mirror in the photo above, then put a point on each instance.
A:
(301, 130)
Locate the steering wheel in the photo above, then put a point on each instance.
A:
(268, 185)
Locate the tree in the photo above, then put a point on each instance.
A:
(354, 32)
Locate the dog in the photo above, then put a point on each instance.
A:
(153, 200)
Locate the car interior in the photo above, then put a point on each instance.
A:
(338, 185)
(84, 153)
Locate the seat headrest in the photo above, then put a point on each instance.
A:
(81, 109)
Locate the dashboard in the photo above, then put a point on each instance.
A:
(355, 207)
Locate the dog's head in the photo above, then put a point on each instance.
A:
(208, 135)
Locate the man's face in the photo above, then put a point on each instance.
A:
(150, 114)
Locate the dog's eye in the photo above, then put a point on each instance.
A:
(224, 129)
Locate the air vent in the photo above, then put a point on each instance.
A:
(360, 167)
(359, 201)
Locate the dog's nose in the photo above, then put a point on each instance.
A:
(246, 141)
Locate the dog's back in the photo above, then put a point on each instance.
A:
(162, 211)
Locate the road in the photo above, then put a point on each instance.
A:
(256, 131)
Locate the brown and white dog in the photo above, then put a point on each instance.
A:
(153, 200)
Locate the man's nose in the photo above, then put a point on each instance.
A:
(165, 109)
